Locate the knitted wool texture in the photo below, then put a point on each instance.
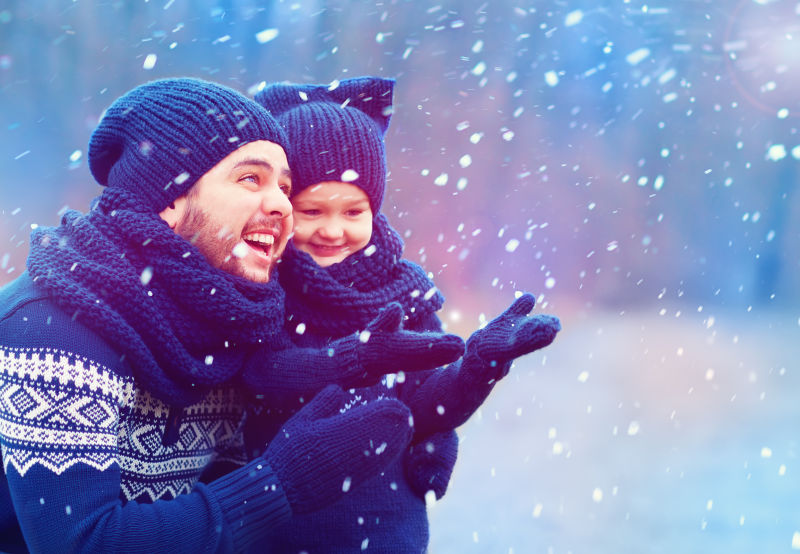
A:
(343, 297)
(343, 434)
(336, 132)
(123, 272)
(157, 140)
(335, 301)
(384, 512)
(184, 324)
(429, 464)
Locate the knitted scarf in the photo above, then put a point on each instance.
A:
(339, 299)
(183, 325)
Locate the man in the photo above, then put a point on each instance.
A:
(120, 345)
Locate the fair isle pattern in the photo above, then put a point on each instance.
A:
(59, 409)
(207, 428)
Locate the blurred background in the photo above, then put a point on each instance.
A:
(633, 165)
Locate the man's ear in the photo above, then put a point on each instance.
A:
(174, 212)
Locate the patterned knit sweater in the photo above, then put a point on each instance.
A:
(88, 461)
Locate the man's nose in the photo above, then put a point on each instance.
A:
(275, 203)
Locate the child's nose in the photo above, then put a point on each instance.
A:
(331, 230)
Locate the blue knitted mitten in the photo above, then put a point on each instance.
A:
(325, 449)
(281, 378)
(510, 335)
(449, 397)
(386, 348)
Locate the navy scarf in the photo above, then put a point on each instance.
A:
(344, 297)
(183, 325)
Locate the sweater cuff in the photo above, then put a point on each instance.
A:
(253, 502)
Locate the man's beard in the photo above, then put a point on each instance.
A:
(215, 242)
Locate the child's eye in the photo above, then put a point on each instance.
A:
(354, 212)
(310, 212)
(249, 178)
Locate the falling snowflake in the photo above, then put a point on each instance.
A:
(267, 35)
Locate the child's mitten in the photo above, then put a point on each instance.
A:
(513, 334)
(447, 398)
(286, 378)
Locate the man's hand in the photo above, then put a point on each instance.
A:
(325, 449)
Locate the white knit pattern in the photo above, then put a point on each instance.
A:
(58, 410)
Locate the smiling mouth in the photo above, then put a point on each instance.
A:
(329, 249)
(260, 242)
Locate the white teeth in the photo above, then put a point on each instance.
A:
(261, 238)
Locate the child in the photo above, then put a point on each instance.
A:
(342, 269)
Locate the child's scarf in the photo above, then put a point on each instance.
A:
(183, 325)
(344, 297)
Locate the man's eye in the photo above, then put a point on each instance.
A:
(249, 178)
(286, 189)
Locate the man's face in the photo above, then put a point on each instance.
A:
(333, 220)
(238, 214)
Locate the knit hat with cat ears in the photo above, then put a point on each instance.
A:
(336, 131)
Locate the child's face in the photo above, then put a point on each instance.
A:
(331, 221)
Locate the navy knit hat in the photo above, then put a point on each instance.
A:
(336, 131)
(161, 137)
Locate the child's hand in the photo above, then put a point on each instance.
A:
(285, 378)
(513, 334)
(448, 398)
(384, 347)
